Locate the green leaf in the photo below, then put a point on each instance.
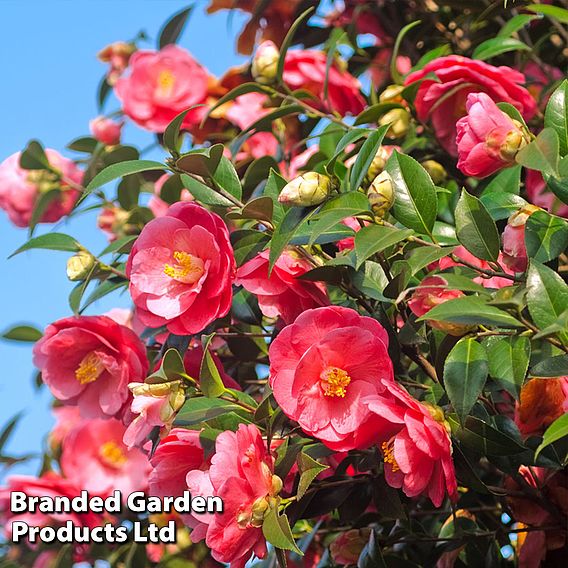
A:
(103, 289)
(171, 137)
(396, 76)
(374, 112)
(497, 46)
(558, 186)
(376, 238)
(121, 169)
(509, 361)
(465, 373)
(210, 381)
(542, 153)
(203, 193)
(475, 228)
(226, 178)
(287, 42)
(86, 144)
(556, 115)
(335, 210)
(415, 203)
(471, 310)
(551, 367)
(365, 157)
(260, 208)
(431, 55)
(309, 469)
(555, 12)
(103, 91)
(173, 28)
(8, 430)
(547, 294)
(33, 157)
(201, 161)
(264, 124)
(421, 257)
(24, 333)
(276, 530)
(546, 236)
(284, 232)
(128, 192)
(202, 409)
(40, 207)
(501, 205)
(506, 181)
(272, 189)
(557, 430)
(50, 241)
(350, 137)
(171, 368)
(371, 555)
(515, 24)
(120, 246)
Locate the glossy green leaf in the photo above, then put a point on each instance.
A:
(210, 381)
(501, 205)
(555, 12)
(201, 161)
(272, 189)
(203, 193)
(350, 137)
(558, 186)
(542, 153)
(465, 373)
(475, 228)
(284, 232)
(121, 169)
(171, 137)
(506, 181)
(50, 241)
(376, 238)
(309, 469)
(288, 39)
(551, 367)
(276, 530)
(33, 157)
(226, 178)
(396, 76)
(23, 333)
(556, 115)
(497, 46)
(41, 206)
(546, 236)
(171, 368)
(557, 430)
(415, 203)
(365, 157)
(508, 361)
(516, 23)
(173, 27)
(374, 112)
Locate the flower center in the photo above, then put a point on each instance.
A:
(89, 369)
(112, 455)
(388, 454)
(187, 269)
(166, 82)
(334, 382)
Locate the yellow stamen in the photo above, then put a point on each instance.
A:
(89, 369)
(111, 453)
(388, 454)
(166, 82)
(334, 382)
(188, 268)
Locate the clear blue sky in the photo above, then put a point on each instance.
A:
(47, 59)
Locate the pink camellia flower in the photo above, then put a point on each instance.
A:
(155, 406)
(418, 457)
(539, 194)
(48, 485)
(106, 130)
(95, 458)
(379, 69)
(242, 475)
(20, 189)
(487, 138)
(66, 418)
(443, 100)
(157, 205)
(281, 293)
(463, 254)
(117, 55)
(514, 248)
(161, 85)
(321, 368)
(432, 292)
(88, 361)
(181, 269)
(306, 69)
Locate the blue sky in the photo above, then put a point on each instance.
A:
(48, 61)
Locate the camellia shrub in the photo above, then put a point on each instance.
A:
(347, 269)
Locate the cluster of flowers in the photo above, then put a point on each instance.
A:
(124, 417)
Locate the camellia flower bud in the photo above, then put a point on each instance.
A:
(399, 120)
(307, 189)
(381, 194)
(436, 170)
(392, 94)
(514, 248)
(105, 130)
(80, 265)
(265, 63)
(380, 161)
(117, 55)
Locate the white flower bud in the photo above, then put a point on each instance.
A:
(307, 189)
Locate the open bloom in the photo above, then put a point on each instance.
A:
(181, 269)
(88, 361)
(542, 401)
(161, 85)
(322, 367)
(487, 138)
(106, 130)
(281, 293)
(418, 456)
(443, 101)
(242, 475)
(306, 69)
(95, 458)
(431, 292)
(51, 485)
(20, 189)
